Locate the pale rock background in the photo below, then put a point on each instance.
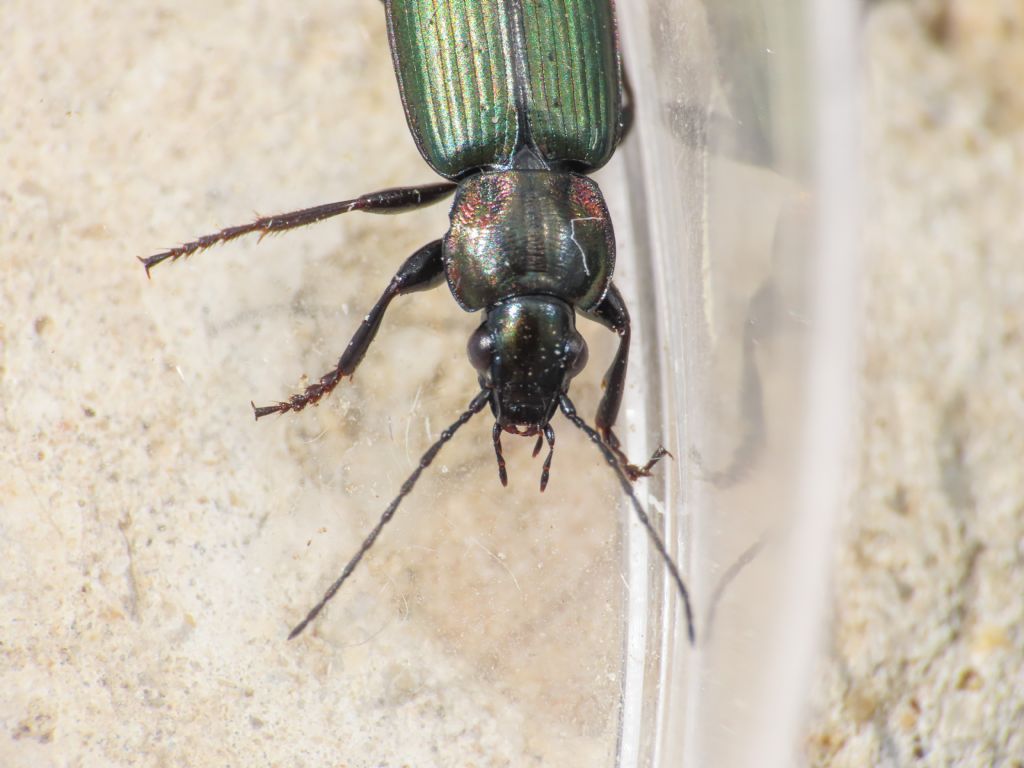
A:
(926, 648)
(157, 543)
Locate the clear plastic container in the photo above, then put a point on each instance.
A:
(742, 189)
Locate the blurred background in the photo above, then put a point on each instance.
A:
(925, 647)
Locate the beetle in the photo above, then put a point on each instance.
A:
(513, 103)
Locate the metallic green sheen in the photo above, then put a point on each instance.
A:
(574, 82)
(521, 233)
(480, 78)
(453, 61)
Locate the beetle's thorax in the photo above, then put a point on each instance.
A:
(518, 233)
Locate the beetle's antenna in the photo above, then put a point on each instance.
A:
(474, 408)
(570, 413)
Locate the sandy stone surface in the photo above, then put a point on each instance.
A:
(157, 544)
(927, 647)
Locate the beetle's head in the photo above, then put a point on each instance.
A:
(526, 351)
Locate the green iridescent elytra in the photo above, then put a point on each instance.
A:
(476, 74)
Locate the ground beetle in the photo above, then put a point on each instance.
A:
(512, 101)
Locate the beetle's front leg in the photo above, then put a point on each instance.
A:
(423, 270)
(612, 313)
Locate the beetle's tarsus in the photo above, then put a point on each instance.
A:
(633, 471)
(266, 410)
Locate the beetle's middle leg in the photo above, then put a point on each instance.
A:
(612, 313)
(423, 270)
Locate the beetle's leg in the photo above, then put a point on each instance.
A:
(394, 200)
(423, 270)
(612, 313)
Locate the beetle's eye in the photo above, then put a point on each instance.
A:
(576, 355)
(481, 349)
